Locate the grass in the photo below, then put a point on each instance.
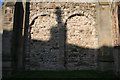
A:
(86, 74)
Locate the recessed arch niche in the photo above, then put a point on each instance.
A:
(44, 43)
(81, 42)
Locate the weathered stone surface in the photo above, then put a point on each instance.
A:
(65, 38)
(81, 37)
(8, 18)
(7, 27)
(50, 45)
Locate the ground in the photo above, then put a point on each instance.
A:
(84, 74)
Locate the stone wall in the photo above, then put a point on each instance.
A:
(7, 23)
(62, 36)
(81, 43)
(115, 28)
(12, 38)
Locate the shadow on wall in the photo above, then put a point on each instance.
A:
(54, 54)
(12, 43)
(58, 54)
(119, 19)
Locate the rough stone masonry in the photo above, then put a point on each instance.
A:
(61, 35)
